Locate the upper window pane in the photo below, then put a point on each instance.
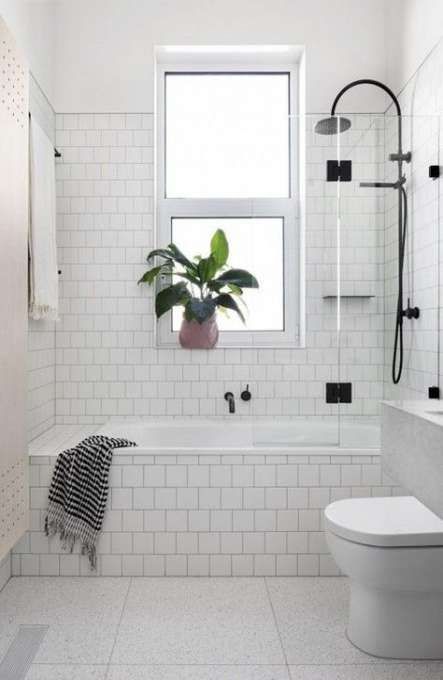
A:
(227, 135)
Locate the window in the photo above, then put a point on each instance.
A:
(232, 125)
(227, 158)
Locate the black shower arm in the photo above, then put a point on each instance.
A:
(385, 88)
(366, 81)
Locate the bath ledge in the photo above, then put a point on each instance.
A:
(430, 410)
(61, 437)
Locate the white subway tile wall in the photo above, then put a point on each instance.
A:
(107, 363)
(164, 519)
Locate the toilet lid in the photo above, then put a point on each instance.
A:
(387, 522)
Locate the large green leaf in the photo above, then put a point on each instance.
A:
(189, 277)
(169, 297)
(172, 254)
(215, 285)
(220, 248)
(180, 258)
(235, 290)
(207, 267)
(226, 300)
(151, 274)
(238, 277)
(160, 252)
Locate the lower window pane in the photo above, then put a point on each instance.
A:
(255, 244)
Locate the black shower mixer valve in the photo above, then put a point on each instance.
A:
(411, 312)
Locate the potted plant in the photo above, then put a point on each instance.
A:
(208, 284)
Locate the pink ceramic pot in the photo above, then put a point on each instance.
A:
(194, 335)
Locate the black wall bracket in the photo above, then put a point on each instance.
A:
(434, 171)
(338, 171)
(338, 393)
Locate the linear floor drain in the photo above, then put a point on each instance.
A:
(21, 652)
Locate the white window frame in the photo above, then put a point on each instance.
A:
(287, 208)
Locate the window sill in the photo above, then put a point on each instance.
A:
(236, 344)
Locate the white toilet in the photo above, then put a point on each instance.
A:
(392, 551)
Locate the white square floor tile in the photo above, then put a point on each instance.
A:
(311, 616)
(390, 671)
(198, 621)
(193, 629)
(197, 673)
(82, 615)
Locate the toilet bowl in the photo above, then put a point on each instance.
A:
(392, 551)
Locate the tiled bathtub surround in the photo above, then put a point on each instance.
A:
(197, 515)
(107, 361)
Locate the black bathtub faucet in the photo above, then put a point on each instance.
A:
(229, 397)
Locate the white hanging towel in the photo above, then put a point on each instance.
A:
(43, 274)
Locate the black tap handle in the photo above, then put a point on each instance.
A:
(246, 395)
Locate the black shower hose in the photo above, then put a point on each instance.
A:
(398, 340)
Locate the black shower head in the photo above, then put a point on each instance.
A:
(332, 125)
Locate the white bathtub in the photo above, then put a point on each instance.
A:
(211, 497)
(206, 436)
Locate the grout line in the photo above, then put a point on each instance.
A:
(276, 625)
(384, 662)
(117, 630)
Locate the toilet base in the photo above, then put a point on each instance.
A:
(396, 624)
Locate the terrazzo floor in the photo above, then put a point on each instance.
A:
(193, 629)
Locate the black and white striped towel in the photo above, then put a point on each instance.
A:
(79, 491)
